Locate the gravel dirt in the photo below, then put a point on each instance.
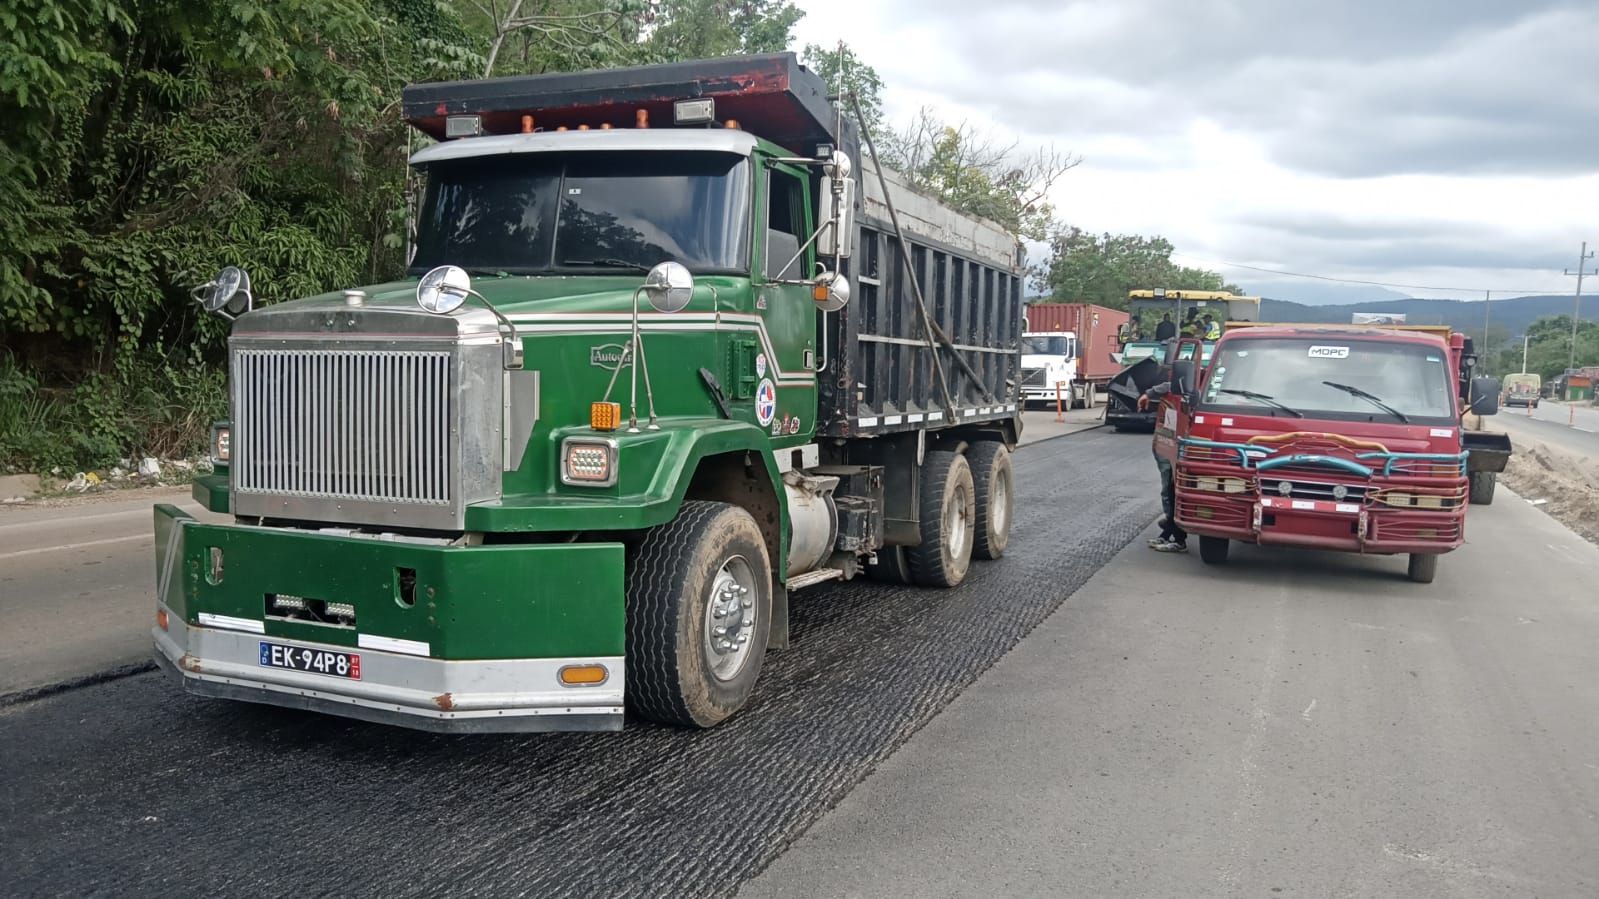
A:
(1561, 483)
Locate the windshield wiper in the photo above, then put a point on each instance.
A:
(1263, 398)
(608, 263)
(1374, 400)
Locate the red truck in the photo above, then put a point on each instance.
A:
(1334, 437)
(1089, 335)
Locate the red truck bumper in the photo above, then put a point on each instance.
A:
(1317, 524)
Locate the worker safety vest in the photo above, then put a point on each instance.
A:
(1214, 331)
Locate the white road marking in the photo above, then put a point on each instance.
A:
(84, 545)
(1308, 709)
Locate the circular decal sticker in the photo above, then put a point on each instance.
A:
(765, 402)
(760, 365)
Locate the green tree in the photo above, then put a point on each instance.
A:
(979, 174)
(844, 71)
(1548, 347)
(1084, 267)
(703, 29)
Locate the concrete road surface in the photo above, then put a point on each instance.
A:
(1291, 724)
(1548, 425)
(76, 584)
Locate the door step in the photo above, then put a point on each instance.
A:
(810, 578)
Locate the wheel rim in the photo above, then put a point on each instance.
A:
(730, 618)
(999, 503)
(957, 528)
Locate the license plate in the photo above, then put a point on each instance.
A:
(315, 661)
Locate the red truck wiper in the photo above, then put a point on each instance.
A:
(1374, 400)
(1263, 398)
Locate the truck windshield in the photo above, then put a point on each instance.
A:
(1044, 346)
(538, 214)
(1335, 377)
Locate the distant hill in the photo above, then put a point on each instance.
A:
(1513, 314)
(1314, 294)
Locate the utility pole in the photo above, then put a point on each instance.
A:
(1576, 306)
(1524, 340)
(1482, 352)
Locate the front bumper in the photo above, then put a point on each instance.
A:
(1309, 524)
(479, 647)
(1392, 503)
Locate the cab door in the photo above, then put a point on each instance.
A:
(785, 379)
(1174, 418)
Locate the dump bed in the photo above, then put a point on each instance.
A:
(880, 376)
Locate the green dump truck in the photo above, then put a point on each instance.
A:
(665, 355)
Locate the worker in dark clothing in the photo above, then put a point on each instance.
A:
(1167, 329)
(1172, 538)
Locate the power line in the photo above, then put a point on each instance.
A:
(1273, 271)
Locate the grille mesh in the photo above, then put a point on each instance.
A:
(343, 424)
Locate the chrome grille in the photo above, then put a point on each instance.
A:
(363, 425)
(1032, 377)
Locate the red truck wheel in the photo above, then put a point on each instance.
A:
(1423, 567)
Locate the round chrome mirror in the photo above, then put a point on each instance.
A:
(831, 291)
(223, 289)
(837, 165)
(443, 290)
(669, 286)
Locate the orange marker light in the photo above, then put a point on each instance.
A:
(583, 675)
(582, 127)
(642, 119)
(161, 618)
(731, 123)
(605, 126)
(605, 416)
(819, 293)
(527, 124)
(562, 128)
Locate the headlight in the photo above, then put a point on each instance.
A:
(588, 462)
(221, 443)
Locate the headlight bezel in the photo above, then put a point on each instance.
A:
(607, 446)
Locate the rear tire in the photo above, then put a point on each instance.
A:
(1213, 550)
(1482, 487)
(994, 486)
(891, 566)
(706, 569)
(949, 517)
(1423, 567)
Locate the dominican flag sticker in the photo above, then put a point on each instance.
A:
(765, 402)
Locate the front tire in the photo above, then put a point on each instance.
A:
(699, 609)
(995, 488)
(1482, 484)
(1213, 550)
(1423, 567)
(949, 516)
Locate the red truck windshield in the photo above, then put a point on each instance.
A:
(532, 214)
(1336, 376)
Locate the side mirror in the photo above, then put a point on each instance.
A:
(1182, 380)
(838, 200)
(830, 290)
(228, 294)
(1485, 396)
(669, 286)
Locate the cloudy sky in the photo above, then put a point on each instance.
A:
(1424, 142)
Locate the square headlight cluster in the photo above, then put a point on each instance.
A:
(586, 462)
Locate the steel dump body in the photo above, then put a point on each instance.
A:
(881, 378)
(1365, 484)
